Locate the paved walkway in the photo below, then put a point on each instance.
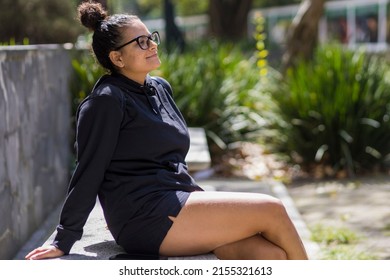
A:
(359, 205)
(97, 242)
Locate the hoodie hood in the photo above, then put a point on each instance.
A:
(127, 84)
(148, 89)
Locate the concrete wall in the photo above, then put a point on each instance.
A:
(34, 139)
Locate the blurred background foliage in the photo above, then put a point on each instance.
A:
(40, 21)
(331, 111)
(153, 8)
(335, 112)
(54, 21)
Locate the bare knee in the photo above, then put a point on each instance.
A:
(276, 203)
(274, 207)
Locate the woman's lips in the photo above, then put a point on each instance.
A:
(152, 56)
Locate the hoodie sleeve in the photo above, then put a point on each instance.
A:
(98, 125)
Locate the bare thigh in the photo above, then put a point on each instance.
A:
(210, 220)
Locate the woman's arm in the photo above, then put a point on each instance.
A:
(98, 125)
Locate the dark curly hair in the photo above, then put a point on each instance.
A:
(106, 30)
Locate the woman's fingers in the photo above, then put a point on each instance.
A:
(44, 253)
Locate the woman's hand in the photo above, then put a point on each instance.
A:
(44, 253)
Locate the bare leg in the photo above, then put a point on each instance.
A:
(216, 221)
(252, 248)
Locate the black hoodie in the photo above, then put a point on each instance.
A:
(131, 142)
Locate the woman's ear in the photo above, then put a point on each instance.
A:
(116, 58)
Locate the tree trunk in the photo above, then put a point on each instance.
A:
(303, 34)
(173, 36)
(229, 18)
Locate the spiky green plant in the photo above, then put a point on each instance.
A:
(336, 110)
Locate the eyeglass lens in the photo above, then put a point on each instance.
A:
(144, 43)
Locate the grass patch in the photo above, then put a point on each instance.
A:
(338, 243)
(333, 236)
(345, 252)
(386, 230)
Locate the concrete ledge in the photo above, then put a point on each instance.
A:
(198, 157)
(97, 242)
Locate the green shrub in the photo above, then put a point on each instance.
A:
(335, 111)
(86, 71)
(41, 21)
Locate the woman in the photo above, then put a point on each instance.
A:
(131, 145)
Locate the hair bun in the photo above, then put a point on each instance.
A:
(91, 14)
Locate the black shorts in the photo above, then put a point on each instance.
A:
(144, 234)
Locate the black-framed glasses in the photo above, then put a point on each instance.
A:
(143, 41)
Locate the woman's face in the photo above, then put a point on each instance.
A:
(136, 62)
